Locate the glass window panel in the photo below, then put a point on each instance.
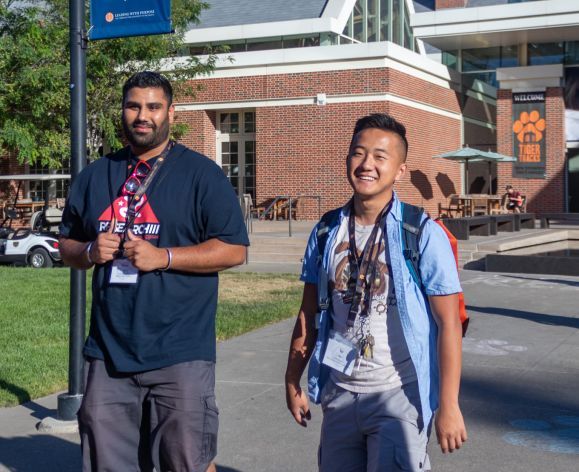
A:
(359, 21)
(545, 53)
(384, 6)
(225, 159)
(470, 80)
(249, 182)
(197, 49)
(348, 28)
(237, 47)
(249, 170)
(264, 44)
(301, 42)
(229, 123)
(249, 146)
(234, 146)
(509, 56)
(234, 126)
(481, 59)
(224, 147)
(450, 59)
(396, 20)
(408, 39)
(572, 52)
(373, 21)
(249, 122)
(224, 122)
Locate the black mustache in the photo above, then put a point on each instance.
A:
(142, 123)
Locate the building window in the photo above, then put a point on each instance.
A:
(572, 52)
(236, 149)
(480, 59)
(55, 188)
(545, 53)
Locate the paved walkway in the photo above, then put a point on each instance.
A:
(519, 392)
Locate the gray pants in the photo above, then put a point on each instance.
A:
(372, 432)
(165, 418)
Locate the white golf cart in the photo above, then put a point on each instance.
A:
(37, 244)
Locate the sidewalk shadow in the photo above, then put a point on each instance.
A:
(505, 396)
(40, 452)
(47, 453)
(554, 320)
(571, 283)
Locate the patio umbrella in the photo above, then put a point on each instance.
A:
(467, 154)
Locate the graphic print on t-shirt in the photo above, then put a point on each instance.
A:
(342, 273)
(146, 225)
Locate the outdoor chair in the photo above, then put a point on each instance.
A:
(453, 207)
(479, 206)
(502, 209)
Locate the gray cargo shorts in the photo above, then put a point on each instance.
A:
(165, 418)
(372, 432)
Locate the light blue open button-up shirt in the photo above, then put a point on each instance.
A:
(439, 277)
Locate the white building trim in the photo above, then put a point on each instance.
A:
(540, 21)
(330, 58)
(311, 100)
(530, 78)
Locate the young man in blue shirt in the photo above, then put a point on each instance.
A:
(386, 352)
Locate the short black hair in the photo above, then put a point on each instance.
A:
(146, 79)
(384, 122)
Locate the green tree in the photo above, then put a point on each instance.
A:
(34, 66)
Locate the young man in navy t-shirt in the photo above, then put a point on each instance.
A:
(157, 221)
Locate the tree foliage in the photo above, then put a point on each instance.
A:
(35, 71)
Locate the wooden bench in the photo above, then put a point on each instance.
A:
(463, 228)
(567, 217)
(524, 220)
(504, 222)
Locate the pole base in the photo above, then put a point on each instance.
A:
(51, 425)
(68, 406)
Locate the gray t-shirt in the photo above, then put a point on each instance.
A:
(390, 366)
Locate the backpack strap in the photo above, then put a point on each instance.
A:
(327, 222)
(412, 226)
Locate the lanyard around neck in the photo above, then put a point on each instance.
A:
(359, 284)
(145, 184)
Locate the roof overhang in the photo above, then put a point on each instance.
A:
(332, 20)
(501, 25)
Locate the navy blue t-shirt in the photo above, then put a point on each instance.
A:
(166, 317)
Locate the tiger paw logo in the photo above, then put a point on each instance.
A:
(109, 17)
(529, 129)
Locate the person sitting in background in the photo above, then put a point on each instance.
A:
(513, 199)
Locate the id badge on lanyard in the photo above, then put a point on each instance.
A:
(123, 272)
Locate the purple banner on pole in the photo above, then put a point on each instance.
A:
(122, 18)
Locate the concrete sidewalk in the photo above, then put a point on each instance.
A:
(519, 392)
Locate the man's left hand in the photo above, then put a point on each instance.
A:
(450, 428)
(143, 255)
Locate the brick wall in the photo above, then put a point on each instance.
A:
(332, 83)
(302, 149)
(288, 163)
(543, 195)
(200, 135)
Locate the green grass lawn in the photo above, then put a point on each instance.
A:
(34, 322)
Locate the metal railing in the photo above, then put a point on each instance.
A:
(273, 207)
